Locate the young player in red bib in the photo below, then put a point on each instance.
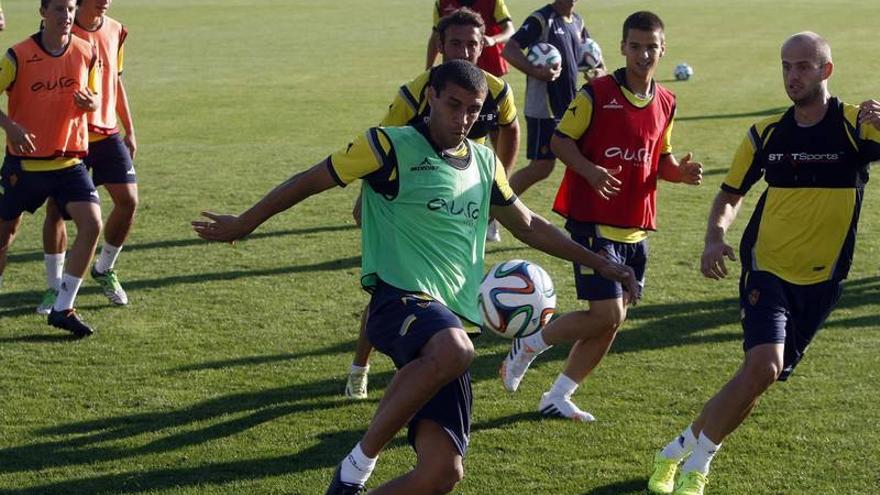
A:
(615, 143)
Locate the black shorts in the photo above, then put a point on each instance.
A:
(399, 324)
(22, 191)
(778, 312)
(593, 287)
(538, 138)
(110, 162)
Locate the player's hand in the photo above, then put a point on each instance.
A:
(626, 276)
(131, 143)
(222, 228)
(595, 73)
(20, 140)
(869, 113)
(690, 172)
(356, 212)
(488, 41)
(548, 72)
(603, 181)
(712, 263)
(85, 99)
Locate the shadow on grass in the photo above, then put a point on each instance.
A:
(340, 348)
(633, 486)
(196, 241)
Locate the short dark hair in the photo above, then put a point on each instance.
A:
(643, 21)
(45, 3)
(460, 17)
(461, 73)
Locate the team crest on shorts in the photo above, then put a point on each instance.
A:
(754, 295)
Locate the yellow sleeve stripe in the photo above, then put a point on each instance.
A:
(382, 150)
(409, 99)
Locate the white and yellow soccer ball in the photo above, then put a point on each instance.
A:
(543, 54)
(683, 72)
(516, 299)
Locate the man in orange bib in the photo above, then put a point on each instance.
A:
(110, 158)
(49, 78)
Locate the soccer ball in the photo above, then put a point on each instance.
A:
(542, 54)
(591, 55)
(683, 72)
(516, 299)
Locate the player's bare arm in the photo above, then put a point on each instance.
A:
(600, 178)
(537, 232)
(685, 171)
(21, 140)
(513, 52)
(228, 228)
(723, 213)
(502, 37)
(124, 111)
(869, 113)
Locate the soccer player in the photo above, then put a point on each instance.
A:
(426, 203)
(49, 79)
(795, 251)
(2, 19)
(549, 89)
(499, 29)
(460, 37)
(110, 158)
(615, 143)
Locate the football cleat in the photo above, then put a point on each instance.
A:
(556, 406)
(690, 483)
(662, 479)
(69, 320)
(110, 286)
(515, 365)
(356, 386)
(339, 487)
(47, 302)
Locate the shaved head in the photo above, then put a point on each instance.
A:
(807, 45)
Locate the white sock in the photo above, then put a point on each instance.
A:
(358, 369)
(563, 386)
(357, 467)
(107, 258)
(681, 445)
(702, 455)
(54, 269)
(536, 342)
(67, 292)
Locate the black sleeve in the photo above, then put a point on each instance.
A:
(528, 33)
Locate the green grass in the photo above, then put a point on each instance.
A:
(225, 373)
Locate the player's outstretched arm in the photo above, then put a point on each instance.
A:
(724, 210)
(228, 228)
(537, 232)
(686, 171)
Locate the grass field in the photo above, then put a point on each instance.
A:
(225, 373)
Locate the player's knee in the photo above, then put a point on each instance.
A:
(763, 373)
(443, 478)
(127, 204)
(610, 317)
(450, 355)
(543, 168)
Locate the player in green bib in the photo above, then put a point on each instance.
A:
(428, 196)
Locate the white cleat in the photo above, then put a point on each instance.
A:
(557, 406)
(515, 365)
(493, 232)
(356, 386)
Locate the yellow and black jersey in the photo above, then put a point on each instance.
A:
(804, 227)
(411, 106)
(371, 157)
(500, 12)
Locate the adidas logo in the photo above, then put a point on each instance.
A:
(425, 166)
(613, 104)
(34, 58)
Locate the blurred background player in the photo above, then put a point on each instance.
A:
(46, 138)
(549, 89)
(615, 141)
(421, 294)
(460, 37)
(499, 29)
(110, 158)
(795, 251)
(2, 19)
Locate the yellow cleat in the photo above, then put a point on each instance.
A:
(662, 479)
(691, 483)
